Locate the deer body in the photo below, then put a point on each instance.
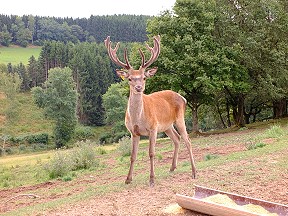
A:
(141, 118)
(150, 114)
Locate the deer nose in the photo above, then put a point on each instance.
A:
(138, 88)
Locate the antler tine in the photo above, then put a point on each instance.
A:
(155, 51)
(113, 54)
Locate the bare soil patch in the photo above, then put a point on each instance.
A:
(2, 96)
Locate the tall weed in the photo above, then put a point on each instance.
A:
(125, 146)
(275, 131)
(60, 164)
(83, 156)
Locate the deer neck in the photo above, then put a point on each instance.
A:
(135, 106)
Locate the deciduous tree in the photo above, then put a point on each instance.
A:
(59, 99)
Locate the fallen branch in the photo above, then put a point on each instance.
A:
(19, 195)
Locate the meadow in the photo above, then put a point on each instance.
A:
(250, 161)
(15, 54)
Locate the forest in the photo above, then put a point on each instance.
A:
(28, 29)
(227, 58)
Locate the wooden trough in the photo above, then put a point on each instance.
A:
(196, 203)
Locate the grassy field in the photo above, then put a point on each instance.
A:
(15, 55)
(29, 119)
(233, 169)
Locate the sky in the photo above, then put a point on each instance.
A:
(84, 8)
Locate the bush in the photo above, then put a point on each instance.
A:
(37, 138)
(274, 131)
(105, 138)
(83, 133)
(125, 146)
(112, 138)
(31, 138)
(59, 165)
(81, 157)
(84, 156)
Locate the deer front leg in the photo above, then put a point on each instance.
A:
(135, 144)
(152, 143)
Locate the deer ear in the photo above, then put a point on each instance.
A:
(151, 72)
(122, 74)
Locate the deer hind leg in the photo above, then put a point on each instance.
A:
(175, 137)
(135, 143)
(180, 124)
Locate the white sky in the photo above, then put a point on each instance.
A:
(84, 8)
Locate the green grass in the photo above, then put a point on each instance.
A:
(15, 55)
(30, 118)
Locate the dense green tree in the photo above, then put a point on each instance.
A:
(115, 104)
(10, 86)
(20, 69)
(31, 27)
(128, 28)
(59, 99)
(93, 75)
(32, 71)
(188, 52)
(5, 37)
(257, 30)
(24, 37)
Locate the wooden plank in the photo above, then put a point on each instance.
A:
(208, 207)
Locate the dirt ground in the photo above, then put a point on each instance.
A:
(160, 199)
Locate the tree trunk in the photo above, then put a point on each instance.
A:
(195, 127)
(280, 108)
(238, 111)
(220, 116)
(228, 115)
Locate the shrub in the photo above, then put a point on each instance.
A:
(81, 157)
(59, 165)
(37, 138)
(84, 156)
(83, 133)
(125, 146)
(31, 138)
(105, 138)
(274, 131)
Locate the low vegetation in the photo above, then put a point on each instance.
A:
(15, 55)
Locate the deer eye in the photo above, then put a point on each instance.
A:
(130, 79)
(144, 78)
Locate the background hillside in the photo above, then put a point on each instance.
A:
(24, 30)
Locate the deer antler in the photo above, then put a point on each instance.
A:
(155, 51)
(113, 55)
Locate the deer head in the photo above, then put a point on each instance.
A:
(136, 78)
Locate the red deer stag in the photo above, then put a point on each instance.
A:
(148, 115)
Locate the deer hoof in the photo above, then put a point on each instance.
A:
(194, 175)
(128, 181)
(172, 169)
(152, 182)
